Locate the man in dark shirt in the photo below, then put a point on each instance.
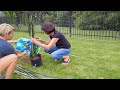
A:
(57, 45)
(8, 56)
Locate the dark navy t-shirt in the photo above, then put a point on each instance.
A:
(6, 48)
(62, 42)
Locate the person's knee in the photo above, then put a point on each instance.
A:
(14, 57)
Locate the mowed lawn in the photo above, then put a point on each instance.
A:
(91, 58)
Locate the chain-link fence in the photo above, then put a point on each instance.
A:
(93, 24)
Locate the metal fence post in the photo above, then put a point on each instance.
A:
(70, 22)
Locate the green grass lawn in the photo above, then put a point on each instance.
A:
(91, 58)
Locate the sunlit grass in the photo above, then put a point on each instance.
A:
(91, 58)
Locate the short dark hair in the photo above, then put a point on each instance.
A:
(48, 27)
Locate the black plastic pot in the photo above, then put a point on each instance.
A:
(36, 61)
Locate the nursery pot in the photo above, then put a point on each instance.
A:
(36, 61)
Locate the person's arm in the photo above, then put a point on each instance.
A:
(12, 41)
(52, 43)
(43, 41)
(21, 54)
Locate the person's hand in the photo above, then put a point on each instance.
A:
(33, 40)
(22, 54)
(38, 38)
(25, 52)
(18, 51)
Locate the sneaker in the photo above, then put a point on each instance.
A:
(65, 62)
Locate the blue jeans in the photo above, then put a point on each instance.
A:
(57, 53)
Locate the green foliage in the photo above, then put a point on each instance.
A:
(94, 20)
(85, 20)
